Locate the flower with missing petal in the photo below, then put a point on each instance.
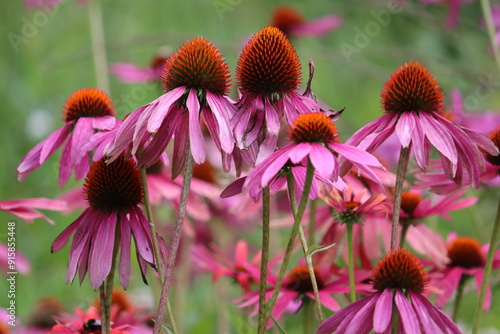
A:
(195, 79)
(113, 193)
(413, 102)
(268, 74)
(291, 22)
(399, 280)
(86, 111)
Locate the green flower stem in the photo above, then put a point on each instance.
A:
(487, 271)
(98, 45)
(305, 247)
(405, 226)
(291, 241)
(458, 296)
(488, 18)
(312, 222)
(395, 317)
(404, 157)
(264, 257)
(350, 260)
(308, 313)
(156, 248)
(186, 185)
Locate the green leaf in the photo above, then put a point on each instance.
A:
(313, 249)
(280, 329)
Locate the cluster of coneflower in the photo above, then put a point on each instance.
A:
(195, 112)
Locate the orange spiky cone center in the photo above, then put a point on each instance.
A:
(298, 279)
(197, 64)
(46, 309)
(87, 102)
(466, 253)
(495, 138)
(268, 64)
(401, 270)
(285, 17)
(412, 88)
(313, 128)
(409, 202)
(113, 187)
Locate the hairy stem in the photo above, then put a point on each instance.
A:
(404, 157)
(186, 185)
(264, 258)
(487, 271)
(350, 265)
(291, 241)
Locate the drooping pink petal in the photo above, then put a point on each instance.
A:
(124, 272)
(439, 137)
(165, 102)
(101, 253)
(197, 143)
(322, 160)
(406, 314)
(404, 128)
(317, 27)
(383, 312)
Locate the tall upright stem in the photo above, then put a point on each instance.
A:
(186, 185)
(98, 45)
(350, 265)
(291, 241)
(312, 221)
(404, 157)
(156, 248)
(488, 19)
(458, 296)
(265, 257)
(495, 234)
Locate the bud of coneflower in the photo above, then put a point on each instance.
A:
(268, 65)
(495, 138)
(313, 128)
(399, 269)
(285, 17)
(114, 187)
(466, 253)
(87, 102)
(298, 279)
(197, 64)
(412, 88)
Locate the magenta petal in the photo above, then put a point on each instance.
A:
(404, 128)
(104, 122)
(449, 285)
(131, 73)
(197, 143)
(82, 132)
(317, 27)
(362, 322)
(101, 254)
(164, 103)
(322, 160)
(298, 152)
(142, 239)
(438, 317)
(62, 239)
(383, 312)
(54, 141)
(406, 313)
(439, 136)
(273, 165)
(222, 110)
(65, 165)
(423, 315)
(281, 304)
(267, 147)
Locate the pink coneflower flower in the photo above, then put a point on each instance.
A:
(26, 208)
(314, 137)
(243, 270)
(195, 79)
(293, 24)
(399, 280)
(451, 262)
(86, 111)
(32, 4)
(113, 192)
(268, 76)
(297, 289)
(131, 73)
(85, 322)
(413, 102)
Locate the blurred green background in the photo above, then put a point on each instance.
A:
(54, 59)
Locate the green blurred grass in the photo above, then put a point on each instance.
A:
(57, 60)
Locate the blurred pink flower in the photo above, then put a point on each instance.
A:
(453, 11)
(26, 208)
(131, 73)
(22, 265)
(291, 22)
(32, 4)
(85, 111)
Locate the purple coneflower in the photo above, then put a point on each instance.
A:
(268, 76)
(86, 111)
(131, 73)
(113, 192)
(314, 137)
(293, 24)
(413, 102)
(195, 79)
(399, 279)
